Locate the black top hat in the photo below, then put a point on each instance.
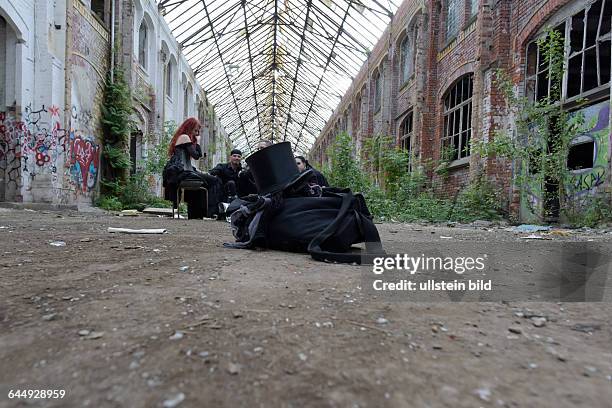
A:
(274, 168)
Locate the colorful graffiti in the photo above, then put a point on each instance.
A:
(39, 145)
(583, 181)
(84, 161)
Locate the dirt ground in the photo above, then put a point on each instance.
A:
(178, 320)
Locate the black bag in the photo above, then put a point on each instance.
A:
(326, 226)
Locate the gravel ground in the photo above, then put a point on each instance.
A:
(178, 320)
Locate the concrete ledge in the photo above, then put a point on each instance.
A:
(38, 206)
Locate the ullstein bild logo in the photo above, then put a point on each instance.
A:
(412, 265)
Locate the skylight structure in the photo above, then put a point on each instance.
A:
(276, 69)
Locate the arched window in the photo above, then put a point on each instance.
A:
(458, 119)
(142, 44)
(406, 58)
(377, 90)
(169, 76)
(588, 61)
(357, 112)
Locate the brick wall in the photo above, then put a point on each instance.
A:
(495, 38)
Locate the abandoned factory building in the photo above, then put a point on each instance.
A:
(430, 83)
(54, 60)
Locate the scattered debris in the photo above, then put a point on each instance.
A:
(382, 320)
(94, 335)
(586, 327)
(302, 356)
(138, 231)
(129, 213)
(531, 228)
(174, 401)
(444, 237)
(483, 393)
(233, 368)
(533, 236)
(515, 330)
(538, 321)
(560, 233)
(552, 351)
(49, 317)
(57, 243)
(177, 335)
(84, 332)
(183, 268)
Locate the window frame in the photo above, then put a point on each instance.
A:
(378, 91)
(407, 135)
(458, 18)
(462, 151)
(145, 49)
(593, 93)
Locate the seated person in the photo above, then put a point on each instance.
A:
(185, 146)
(317, 177)
(246, 183)
(228, 174)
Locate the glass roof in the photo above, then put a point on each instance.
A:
(276, 69)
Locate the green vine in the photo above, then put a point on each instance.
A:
(540, 146)
(117, 126)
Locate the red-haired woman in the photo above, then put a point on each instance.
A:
(185, 146)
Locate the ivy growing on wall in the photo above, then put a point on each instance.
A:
(117, 125)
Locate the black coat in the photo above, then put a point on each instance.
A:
(318, 178)
(226, 172)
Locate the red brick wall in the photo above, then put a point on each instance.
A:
(496, 38)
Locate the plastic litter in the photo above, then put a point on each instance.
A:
(138, 231)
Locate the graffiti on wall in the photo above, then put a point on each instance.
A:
(84, 162)
(583, 181)
(10, 152)
(39, 144)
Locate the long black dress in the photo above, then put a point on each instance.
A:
(196, 200)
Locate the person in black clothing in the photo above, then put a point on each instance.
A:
(185, 146)
(317, 177)
(228, 174)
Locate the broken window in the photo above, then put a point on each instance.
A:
(406, 137)
(406, 134)
(589, 55)
(142, 45)
(581, 156)
(454, 10)
(458, 119)
(377, 90)
(539, 83)
(587, 59)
